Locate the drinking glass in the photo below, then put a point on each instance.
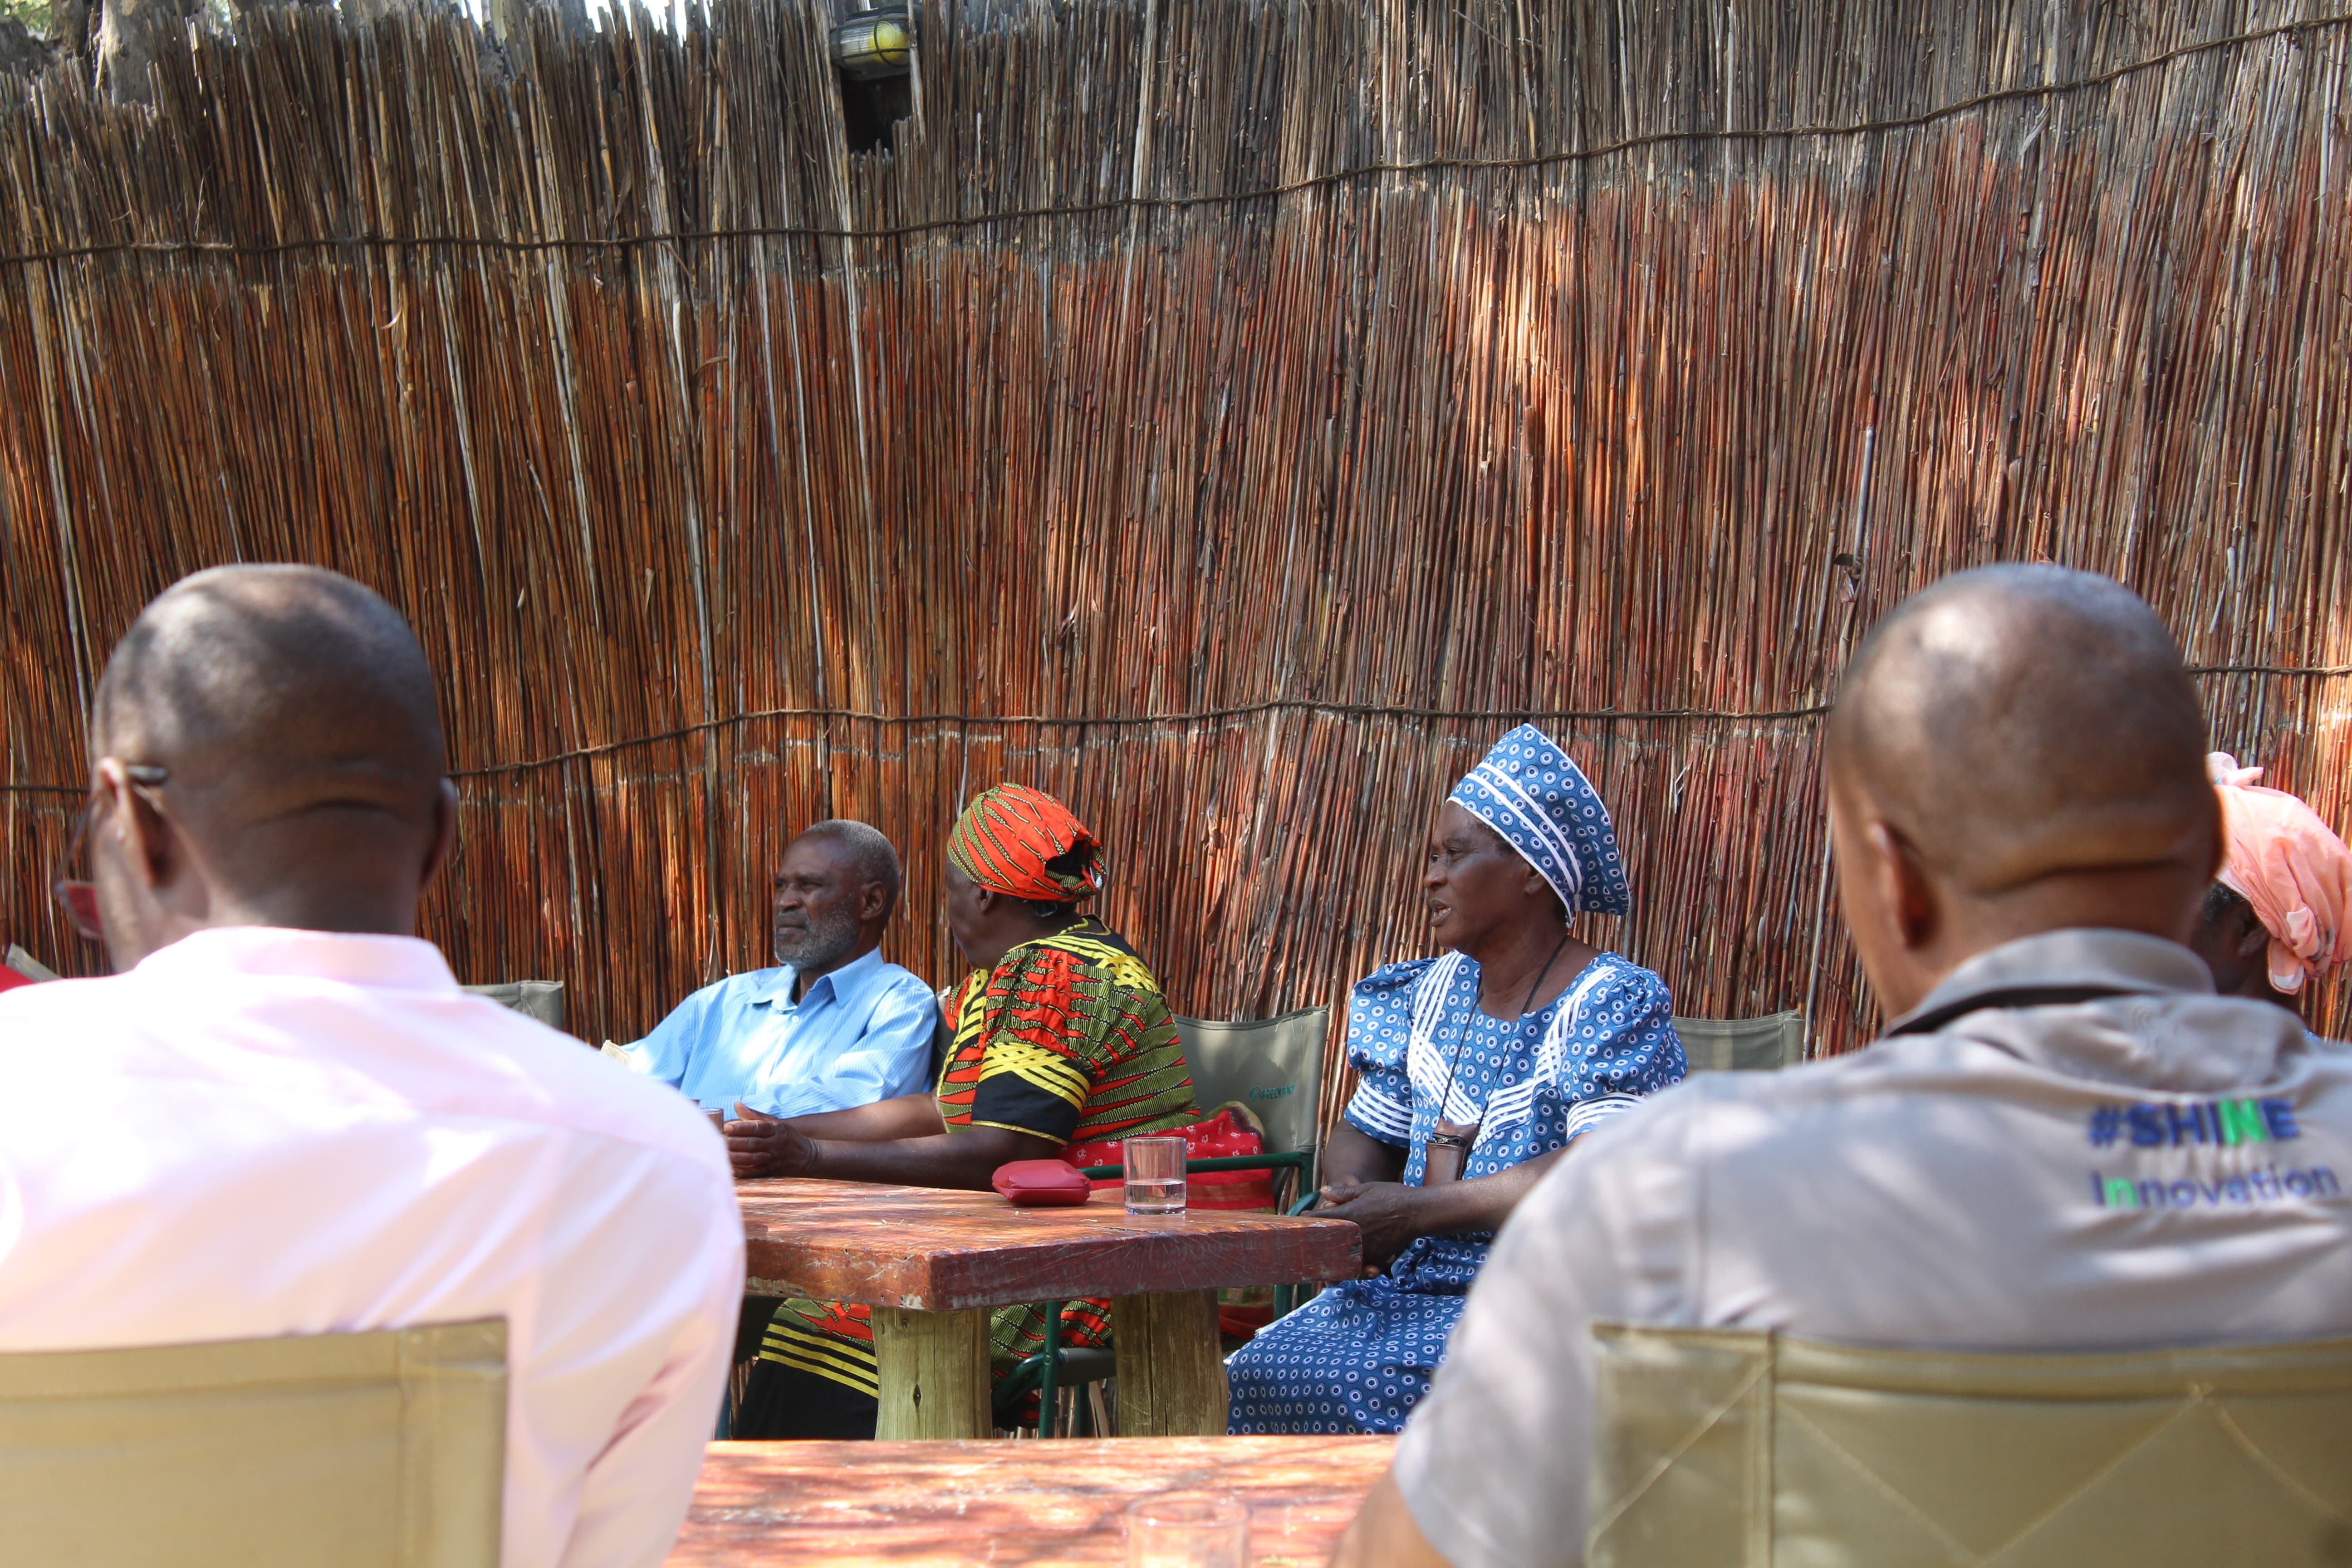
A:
(1155, 1174)
(1187, 1532)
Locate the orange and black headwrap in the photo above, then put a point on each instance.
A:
(1026, 843)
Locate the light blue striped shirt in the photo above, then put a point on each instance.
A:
(861, 1032)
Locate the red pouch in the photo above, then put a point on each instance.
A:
(1039, 1182)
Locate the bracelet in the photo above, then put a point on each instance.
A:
(1452, 1140)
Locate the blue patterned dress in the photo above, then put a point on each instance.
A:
(1360, 1356)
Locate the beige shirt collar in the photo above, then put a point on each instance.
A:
(2114, 1006)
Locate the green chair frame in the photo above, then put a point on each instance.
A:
(1042, 1372)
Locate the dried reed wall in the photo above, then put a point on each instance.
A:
(1231, 416)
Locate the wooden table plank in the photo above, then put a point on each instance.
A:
(1050, 1505)
(938, 1252)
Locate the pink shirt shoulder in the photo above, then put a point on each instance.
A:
(262, 1131)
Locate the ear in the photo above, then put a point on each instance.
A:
(445, 833)
(1903, 886)
(2252, 936)
(873, 903)
(153, 848)
(1536, 890)
(984, 899)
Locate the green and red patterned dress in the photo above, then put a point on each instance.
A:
(1067, 1038)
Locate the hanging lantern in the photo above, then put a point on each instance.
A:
(871, 45)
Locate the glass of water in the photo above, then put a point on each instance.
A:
(1187, 1532)
(1155, 1174)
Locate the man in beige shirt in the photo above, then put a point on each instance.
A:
(2065, 1141)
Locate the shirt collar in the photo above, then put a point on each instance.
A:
(2160, 1023)
(385, 963)
(2109, 963)
(840, 985)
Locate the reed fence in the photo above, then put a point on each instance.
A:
(1229, 416)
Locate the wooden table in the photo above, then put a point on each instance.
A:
(932, 1263)
(830, 1505)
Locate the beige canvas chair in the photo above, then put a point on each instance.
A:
(374, 1450)
(1746, 1450)
(1743, 1044)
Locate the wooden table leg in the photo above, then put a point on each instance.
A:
(1172, 1378)
(934, 1373)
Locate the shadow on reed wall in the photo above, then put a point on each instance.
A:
(1231, 418)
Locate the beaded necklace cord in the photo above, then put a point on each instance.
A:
(1463, 1140)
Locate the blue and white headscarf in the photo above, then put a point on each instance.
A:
(1529, 791)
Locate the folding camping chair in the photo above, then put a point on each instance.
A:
(1273, 1067)
(1743, 1044)
(539, 999)
(374, 1450)
(1732, 1447)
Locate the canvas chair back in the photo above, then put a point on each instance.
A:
(1743, 1044)
(369, 1451)
(1750, 1450)
(1273, 1066)
(539, 999)
(25, 964)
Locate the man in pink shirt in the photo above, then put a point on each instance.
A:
(281, 1116)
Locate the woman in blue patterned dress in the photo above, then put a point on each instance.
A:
(1477, 1071)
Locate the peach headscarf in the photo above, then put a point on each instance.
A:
(2291, 867)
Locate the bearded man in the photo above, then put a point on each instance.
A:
(1061, 1036)
(833, 1027)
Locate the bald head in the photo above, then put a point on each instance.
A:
(2026, 738)
(293, 714)
(254, 666)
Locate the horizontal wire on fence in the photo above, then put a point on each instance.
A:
(1215, 716)
(1147, 721)
(1276, 705)
(1165, 203)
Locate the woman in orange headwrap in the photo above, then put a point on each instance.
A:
(1058, 1034)
(2277, 917)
